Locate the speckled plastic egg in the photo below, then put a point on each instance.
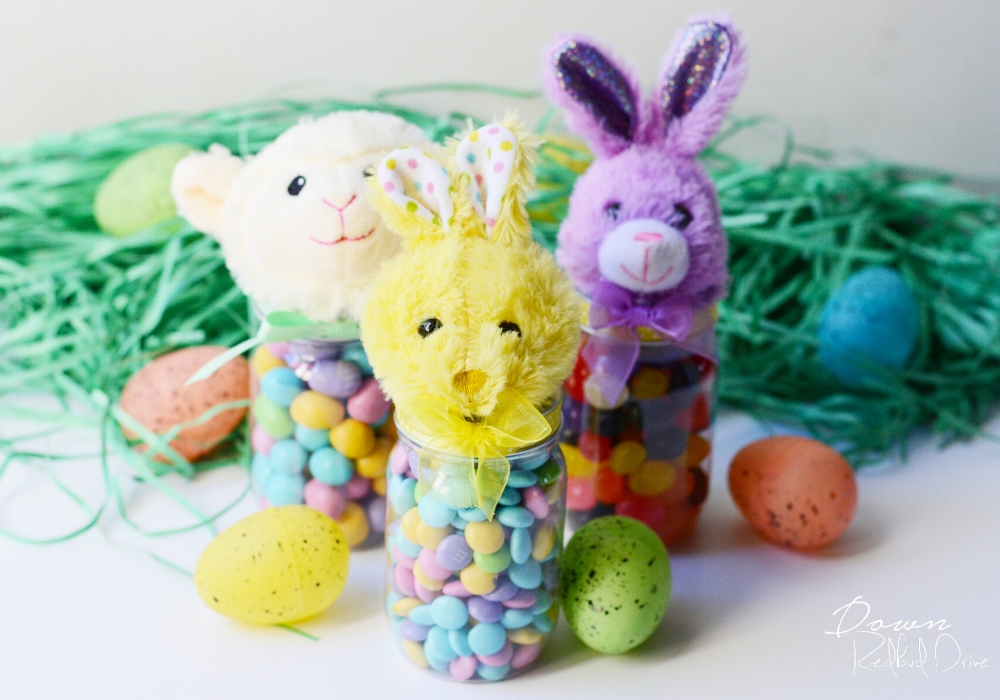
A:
(277, 566)
(157, 397)
(615, 583)
(794, 491)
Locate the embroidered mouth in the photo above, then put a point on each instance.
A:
(643, 279)
(343, 239)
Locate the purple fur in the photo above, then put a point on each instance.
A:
(649, 176)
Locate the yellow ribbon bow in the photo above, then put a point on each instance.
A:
(463, 463)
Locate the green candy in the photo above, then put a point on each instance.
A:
(136, 194)
(548, 473)
(615, 583)
(493, 563)
(274, 419)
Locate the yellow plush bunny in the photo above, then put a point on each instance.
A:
(473, 319)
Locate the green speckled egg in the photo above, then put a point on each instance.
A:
(276, 566)
(615, 583)
(136, 194)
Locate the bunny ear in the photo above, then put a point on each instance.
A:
(601, 100)
(702, 75)
(412, 193)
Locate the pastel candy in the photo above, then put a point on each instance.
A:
(435, 513)
(449, 612)
(456, 588)
(404, 582)
(492, 673)
(272, 418)
(355, 353)
(526, 575)
(534, 500)
(330, 467)
(514, 618)
(261, 441)
(459, 640)
(398, 462)
(487, 638)
(357, 487)
(504, 590)
(324, 498)
(408, 629)
(524, 600)
(437, 645)
(525, 655)
(369, 404)
(421, 614)
(312, 439)
(352, 438)
(500, 658)
(493, 563)
(335, 378)
(316, 411)
(484, 537)
(454, 553)
(429, 564)
(281, 386)
(287, 457)
(515, 516)
(284, 489)
(485, 610)
(477, 581)
(520, 545)
(463, 668)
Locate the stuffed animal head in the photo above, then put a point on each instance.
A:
(645, 216)
(473, 306)
(294, 222)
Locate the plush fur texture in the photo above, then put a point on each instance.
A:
(472, 284)
(654, 176)
(314, 252)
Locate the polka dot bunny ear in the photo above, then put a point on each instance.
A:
(418, 184)
(487, 156)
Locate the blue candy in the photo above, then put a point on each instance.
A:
(437, 644)
(510, 496)
(435, 513)
(543, 601)
(260, 471)
(449, 612)
(516, 619)
(534, 462)
(515, 516)
(459, 523)
(281, 386)
(543, 624)
(459, 640)
(486, 638)
(520, 545)
(330, 467)
(356, 354)
(527, 575)
(492, 673)
(434, 662)
(284, 489)
(287, 457)
(422, 615)
(390, 600)
(311, 439)
(473, 514)
(520, 479)
(410, 549)
(402, 496)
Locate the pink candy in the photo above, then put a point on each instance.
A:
(426, 595)
(429, 563)
(398, 463)
(368, 405)
(463, 668)
(261, 441)
(357, 487)
(522, 601)
(534, 500)
(279, 350)
(457, 589)
(525, 655)
(404, 581)
(401, 558)
(324, 498)
(501, 657)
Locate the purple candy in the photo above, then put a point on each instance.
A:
(533, 498)
(456, 588)
(412, 631)
(335, 378)
(485, 610)
(500, 658)
(358, 487)
(454, 553)
(411, 459)
(376, 514)
(463, 668)
(429, 563)
(523, 600)
(404, 581)
(505, 590)
(525, 655)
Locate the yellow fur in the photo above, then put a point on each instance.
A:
(452, 272)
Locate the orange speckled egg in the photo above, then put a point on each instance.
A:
(794, 491)
(157, 398)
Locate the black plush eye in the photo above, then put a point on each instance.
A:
(369, 171)
(681, 217)
(612, 209)
(428, 326)
(296, 185)
(510, 327)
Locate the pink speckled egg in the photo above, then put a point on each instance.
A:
(157, 398)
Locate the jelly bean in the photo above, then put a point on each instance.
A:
(520, 545)
(415, 652)
(281, 386)
(484, 537)
(437, 644)
(354, 523)
(543, 623)
(459, 640)
(449, 612)
(316, 411)
(655, 476)
(426, 594)
(492, 673)
(261, 441)
(375, 510)
(373, 465)
(326, 499)
(425, 579)
(515, 619)
(493, 563)
(526, 575)
(581, 494)
(595, 395)
(665, 442)
(311, 439)
(515, 516)
(407, 547)
(335, 378)
(510, 496)
(353, 438)
(400, 558)
(595, 448)
(545, 539)
(501, 658)
(404, 580)
(505, 590)
(648, 510)
(429, 564)
(543, 601)
(454, 553)
(697, 450)
(456, 588)
(536, 503)
(521, 479)
(627, 457)
(378, 485)
(272, 418)
(369, 404)
(522, 601)
(408, 629)
(409, 523)
(473, 515)
(484, 610)
(357, 487)
(606, 423)
(699, 491)
(430, 537)
(678, 523)
(402, 498)
(576, 464)
(526, 654)
(284, 489)
(574, 384)
(572, 412)
(649, 383)
(548, 474)
(463, 668)
(610, 485)
(263, 361)
(287, 457)
(397, 459)
(487, 638)
(260, 470)
(477, 581)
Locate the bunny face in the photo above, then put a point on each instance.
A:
(294, 222)
(644, 216)
(473, 307)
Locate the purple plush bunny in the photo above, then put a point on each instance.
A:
(644, 216)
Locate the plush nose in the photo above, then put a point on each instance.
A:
(644, 255)
(470, 382)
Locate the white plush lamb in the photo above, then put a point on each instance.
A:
(294, 222)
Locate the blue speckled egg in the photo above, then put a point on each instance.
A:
(873, 316)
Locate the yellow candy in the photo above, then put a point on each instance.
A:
(430, 537)
(576, 463)
(409, 524)
(373, 465)
(545, 538)
(354, 523)
(379, 485)
(648, 334)
(485, 537)
(263, 361)
(403, 606)
(431, 584)
(316, 411)
(415, 652)
(627, 457)
(649, 383)
(525, 635)
(475, 580)
(596, 398)
(655, 476)
(353, 439)
(279, 565)
(388, 429)
(697, 450)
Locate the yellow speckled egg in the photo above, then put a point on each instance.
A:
(279, 565)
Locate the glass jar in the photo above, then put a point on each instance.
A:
(472, 599)
(322, 433)
(649, 455)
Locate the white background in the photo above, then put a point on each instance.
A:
(910, 80)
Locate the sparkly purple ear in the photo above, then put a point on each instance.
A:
(600, 101)
(701, 76)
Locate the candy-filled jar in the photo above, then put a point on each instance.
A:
(646, 455)
(472, 598)
(322, 433)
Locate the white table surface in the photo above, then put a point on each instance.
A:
(96, 617)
